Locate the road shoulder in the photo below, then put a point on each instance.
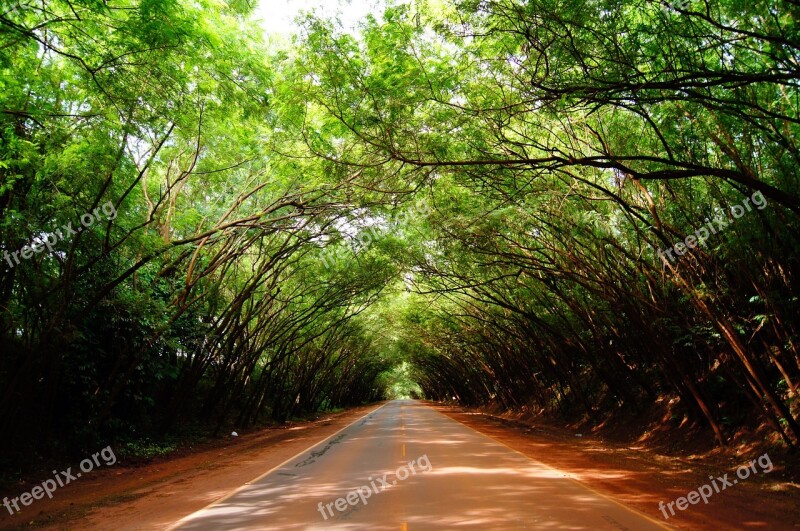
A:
(157, 494)
(640, 478)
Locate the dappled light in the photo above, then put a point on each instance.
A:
(219, 217)
(482, 482)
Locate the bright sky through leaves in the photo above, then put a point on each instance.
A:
(277, 16)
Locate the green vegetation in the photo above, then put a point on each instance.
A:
(542, 153)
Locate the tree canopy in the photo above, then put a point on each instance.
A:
(578, 207)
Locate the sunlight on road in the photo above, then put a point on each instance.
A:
(469, 480)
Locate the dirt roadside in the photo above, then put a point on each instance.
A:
(641, 478)
(157, 494)
(161, 492)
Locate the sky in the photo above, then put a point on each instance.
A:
(277, 15)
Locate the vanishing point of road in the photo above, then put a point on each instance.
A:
(405, 466)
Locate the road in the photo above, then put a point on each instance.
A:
(404, 467)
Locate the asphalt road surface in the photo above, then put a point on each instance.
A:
(404, 467)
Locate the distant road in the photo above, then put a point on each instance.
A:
(406, 467)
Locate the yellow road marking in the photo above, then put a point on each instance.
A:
(404, 526)
(404, 450)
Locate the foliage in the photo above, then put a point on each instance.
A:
(559, 147)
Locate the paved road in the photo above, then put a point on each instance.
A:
(405, 467)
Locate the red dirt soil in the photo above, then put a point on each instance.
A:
(161, 492)
(640, 477)
(154, 495)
